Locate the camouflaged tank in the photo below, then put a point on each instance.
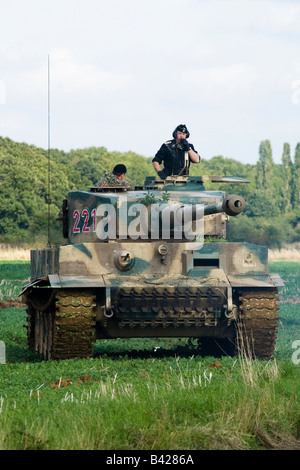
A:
(142, 263)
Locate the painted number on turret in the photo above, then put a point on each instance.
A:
(85, 216)
(141, 221)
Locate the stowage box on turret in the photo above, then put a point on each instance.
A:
(152, 262)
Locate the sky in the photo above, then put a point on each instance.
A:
(124, 73)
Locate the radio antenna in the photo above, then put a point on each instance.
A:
(48, 198)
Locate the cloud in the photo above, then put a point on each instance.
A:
(283, 17)
(124, 74)
(250, 16)
(213, 85)
(2, 92)
(70, 76)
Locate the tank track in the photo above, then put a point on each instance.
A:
(257, 323)
(63, 328)
(168, 307)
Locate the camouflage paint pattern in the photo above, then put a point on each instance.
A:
(157, 286)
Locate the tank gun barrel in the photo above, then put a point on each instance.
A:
(224, 179)
(231, 205)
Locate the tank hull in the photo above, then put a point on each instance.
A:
(81, 293)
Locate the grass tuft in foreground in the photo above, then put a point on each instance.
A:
(150, 394)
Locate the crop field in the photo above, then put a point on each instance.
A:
(148, 394)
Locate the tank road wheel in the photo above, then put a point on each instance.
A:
(61, 324)
(256, 329)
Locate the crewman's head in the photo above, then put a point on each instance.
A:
(119, 170)
(181, 132)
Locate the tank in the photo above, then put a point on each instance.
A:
(152, 262)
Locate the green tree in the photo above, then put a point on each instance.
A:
(296, 179)
(25, 197)
(286, 184)
(265, 169)
(260, 205)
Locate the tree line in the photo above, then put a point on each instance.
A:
(271, 217)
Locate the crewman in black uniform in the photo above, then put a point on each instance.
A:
(177, 154)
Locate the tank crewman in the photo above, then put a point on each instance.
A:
(115, 179)
(177, 154)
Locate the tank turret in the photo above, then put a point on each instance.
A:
(151, 262)
(110, 213)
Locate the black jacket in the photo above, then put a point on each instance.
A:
(173, 157)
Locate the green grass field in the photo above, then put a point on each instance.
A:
(148, 394)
